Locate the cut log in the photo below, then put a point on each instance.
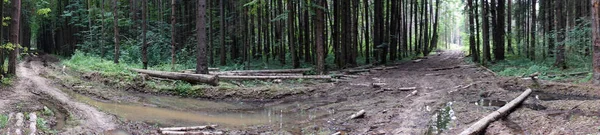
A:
(191, 133)
(194, 70)
(301, 70)
(417, 60)
(317, 77)
(191, 78)
(480, 125)
(188, 128)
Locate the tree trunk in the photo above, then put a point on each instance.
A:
(222, 52)
(486, 30)
(291, 36)
(560, 34)
(144, 29)
(499, 31)
(116, 28)
(191, 78)
(173, 30)
(367, 26)
(14, 36)
(596, 41)
(533, 24)
(201, 61)
(319, 36)
(474, 52)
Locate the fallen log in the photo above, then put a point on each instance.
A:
(191, 78)
(401, 89)
(188, 128)
(357, 71)
(191, 133)
(318, 77)
(194, 70)
(254, 74)
(480, 125)
(301, 70)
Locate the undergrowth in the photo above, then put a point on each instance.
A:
(520, 66)
(3, 120)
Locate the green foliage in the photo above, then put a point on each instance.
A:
(42, 124)
(44, 11)
(6, 21)
(47, 111)
(3, 120)
(519, 66)
(88, 63)
(6, 81)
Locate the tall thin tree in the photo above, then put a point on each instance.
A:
(14, 36)
(201, 61)
(144, 29)
(116, 28)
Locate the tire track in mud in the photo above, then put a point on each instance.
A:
(33, 88)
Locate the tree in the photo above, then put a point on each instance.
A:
(486, 30)
(560, 34)
(173, 30)
(144, 29)
(474, 52)
(14, 36)
(532, 44)
(201, 61)
(319, 38)
(222, 40)
(499, 31)
(596, 41)
(291, 35)
(116, 28)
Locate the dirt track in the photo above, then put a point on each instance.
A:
(32, 90)
(443, 102)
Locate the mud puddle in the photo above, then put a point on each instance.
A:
(172, 111)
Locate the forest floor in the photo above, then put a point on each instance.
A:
(449, 95)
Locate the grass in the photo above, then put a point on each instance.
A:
(520, 66)
(3, 120)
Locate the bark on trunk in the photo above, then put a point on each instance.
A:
(14, 36)
(596, 40)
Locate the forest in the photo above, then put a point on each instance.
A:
(299, 66)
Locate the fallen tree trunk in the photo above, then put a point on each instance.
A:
(301, 70)
(191, 78)
(191, 133)
(321, 77)
(255, 74)
(483, 123)
(188, 128)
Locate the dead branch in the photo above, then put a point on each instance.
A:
(378, 85)
(483, 123)
(358, 114)
(490, 71)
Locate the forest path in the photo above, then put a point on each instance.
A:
(391, 111)
(33, 90)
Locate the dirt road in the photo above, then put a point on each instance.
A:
(32, 91)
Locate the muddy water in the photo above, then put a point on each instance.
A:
(205, 112)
